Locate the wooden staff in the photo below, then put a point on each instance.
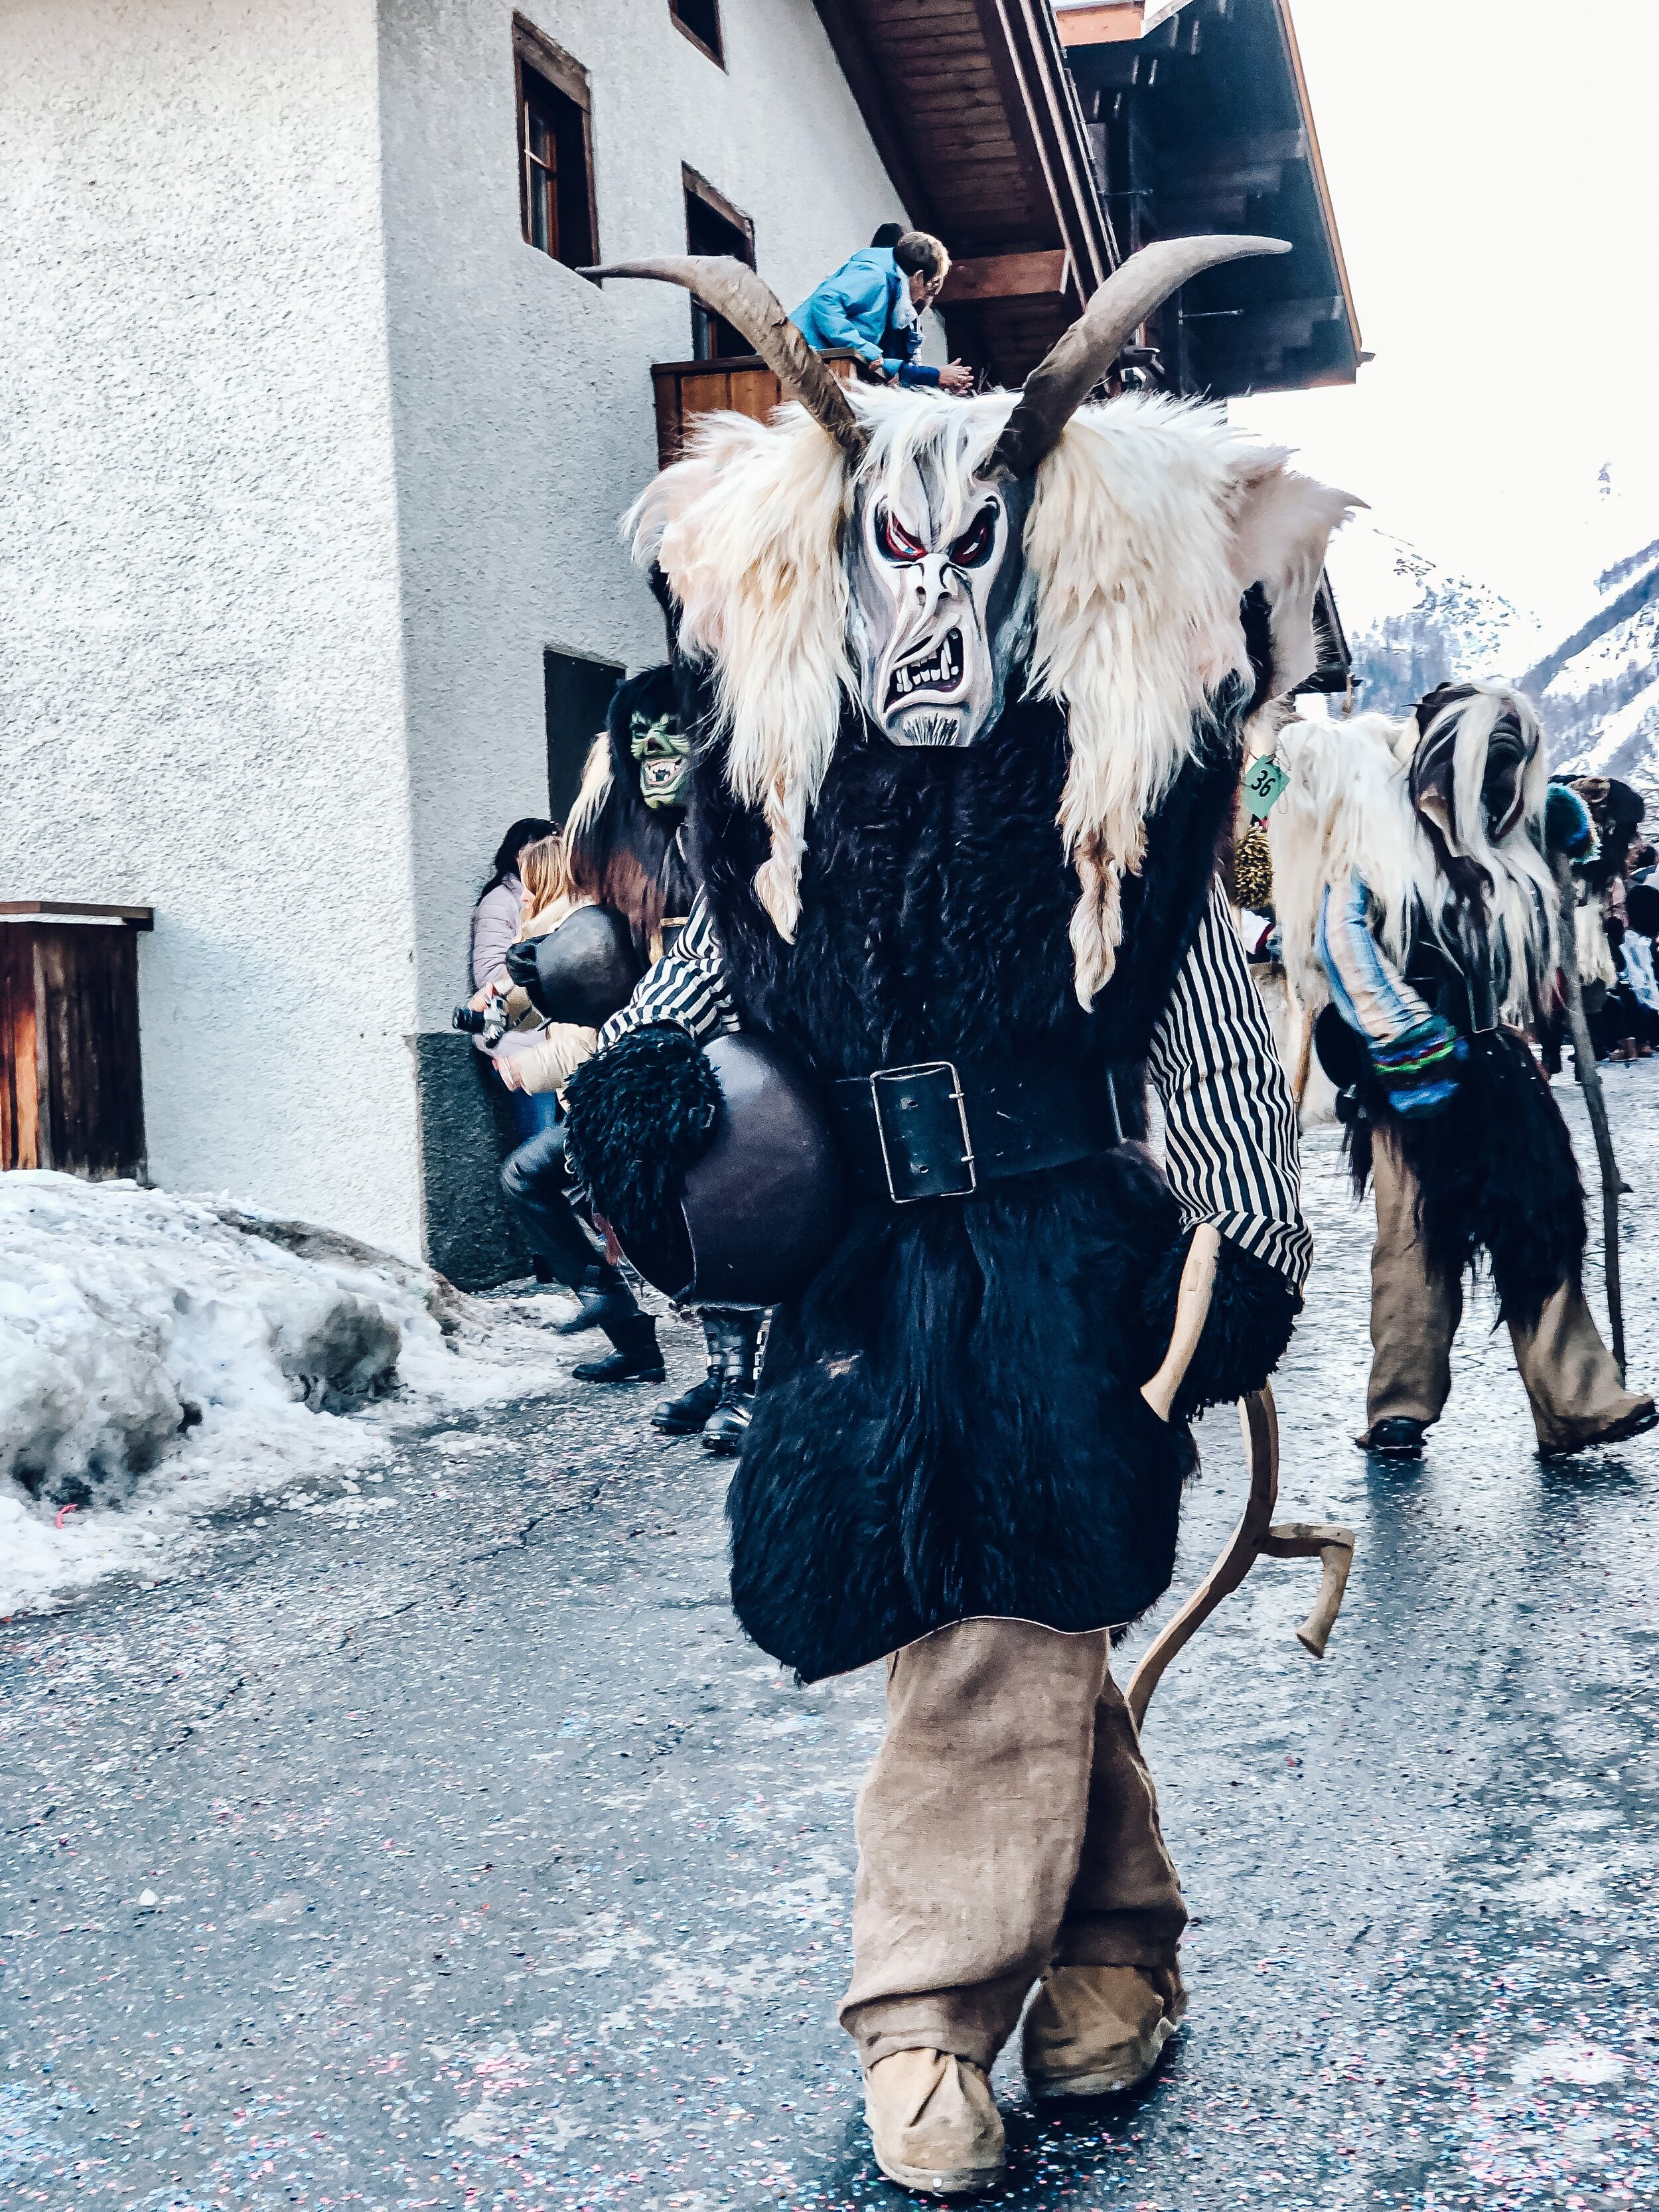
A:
(1589, 1082)
(1254, 1536)
(1303, 1059)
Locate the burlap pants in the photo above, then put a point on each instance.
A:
(1568, 1371)
(1008, 1823)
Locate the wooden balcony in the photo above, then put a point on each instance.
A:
(739, 384)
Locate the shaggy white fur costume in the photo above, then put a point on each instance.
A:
(1348, 808)
(1148, 522)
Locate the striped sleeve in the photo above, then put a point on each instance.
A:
(1370, 994)
(687, 986)
(1230, 1134)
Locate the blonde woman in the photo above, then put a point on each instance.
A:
(542, 1067)
(533, 1182)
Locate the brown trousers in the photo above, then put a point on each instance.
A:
(1569, 1372)
(1008, 1824)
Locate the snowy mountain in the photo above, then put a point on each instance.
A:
(1416, 625)
(1598, 690)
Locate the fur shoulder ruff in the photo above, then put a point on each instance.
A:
(1149, 522)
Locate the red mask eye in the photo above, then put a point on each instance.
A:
(975, 543)
(895, 542)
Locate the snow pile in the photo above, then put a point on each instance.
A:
(162, 1355)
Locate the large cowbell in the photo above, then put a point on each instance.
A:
(939, 596)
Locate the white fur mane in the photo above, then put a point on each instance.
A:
(1347, 809)
(1147, 523)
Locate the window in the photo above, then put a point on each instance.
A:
(576, 692)
(555, 149)
(713, 225)
(700, 21)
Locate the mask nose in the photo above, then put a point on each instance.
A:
(935, 581)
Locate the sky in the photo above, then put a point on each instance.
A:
(1495, 166)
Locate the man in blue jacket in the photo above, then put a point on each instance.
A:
(873, 303)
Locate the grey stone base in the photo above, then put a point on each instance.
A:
(466, 1132)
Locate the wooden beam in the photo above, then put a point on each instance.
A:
(1006, 276)
(1098, 22)
(1316, 164)
(1048, 125)
(868, 87)
(135, 917)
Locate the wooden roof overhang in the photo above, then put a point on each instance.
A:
(1221, 139)
(973, 111)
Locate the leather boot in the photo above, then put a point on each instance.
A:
(1091, 2030)
(636, 1358)
(602, 1295)
(733, 1334)
(687, 1414)
(690, 1413)
(932, 2124)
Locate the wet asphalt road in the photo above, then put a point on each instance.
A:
(451, 1849)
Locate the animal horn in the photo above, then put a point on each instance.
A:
(1075, 363)
(750, 305)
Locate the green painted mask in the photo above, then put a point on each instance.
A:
(665, 758)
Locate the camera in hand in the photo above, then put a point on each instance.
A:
(488, 1023)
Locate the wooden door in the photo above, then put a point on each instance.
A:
(71, 1094)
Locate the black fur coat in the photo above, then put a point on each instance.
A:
(1495, 1172)
(950, 1422)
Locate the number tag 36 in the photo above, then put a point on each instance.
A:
(1263, 781)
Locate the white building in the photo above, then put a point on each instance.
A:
(315, 458)
(309, 565)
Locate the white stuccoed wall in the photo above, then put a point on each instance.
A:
(311, 458)
(522, 393)
(201, 690)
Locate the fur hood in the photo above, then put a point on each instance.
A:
(1148, 523)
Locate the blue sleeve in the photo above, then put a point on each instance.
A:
(914, 372)
(851, 315)
(1368, 990)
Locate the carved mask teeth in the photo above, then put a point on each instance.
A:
(940, 671)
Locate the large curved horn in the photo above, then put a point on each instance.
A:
(750, 305)
(1075, 363)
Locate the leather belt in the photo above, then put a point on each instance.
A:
(935, 1131)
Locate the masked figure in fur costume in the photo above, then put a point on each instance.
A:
(628, 847)
(971, 677)
(1420, 914)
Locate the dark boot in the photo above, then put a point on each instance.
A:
(1398, 1439)
(686, 1415)
(733, 1334)
(602, 1297)
(636, 1359)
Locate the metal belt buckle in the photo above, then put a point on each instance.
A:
(932, 1086)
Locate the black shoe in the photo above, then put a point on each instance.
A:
(734, 1334)
(602, 1298)
(1399, 1438)
(636, 1359)
(726, 1429)
(687, 1414)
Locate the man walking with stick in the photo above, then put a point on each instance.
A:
(1421, 912)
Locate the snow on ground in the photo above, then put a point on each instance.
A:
(163, 1357)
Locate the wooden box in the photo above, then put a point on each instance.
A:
(71, 1093)
(742, 384)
